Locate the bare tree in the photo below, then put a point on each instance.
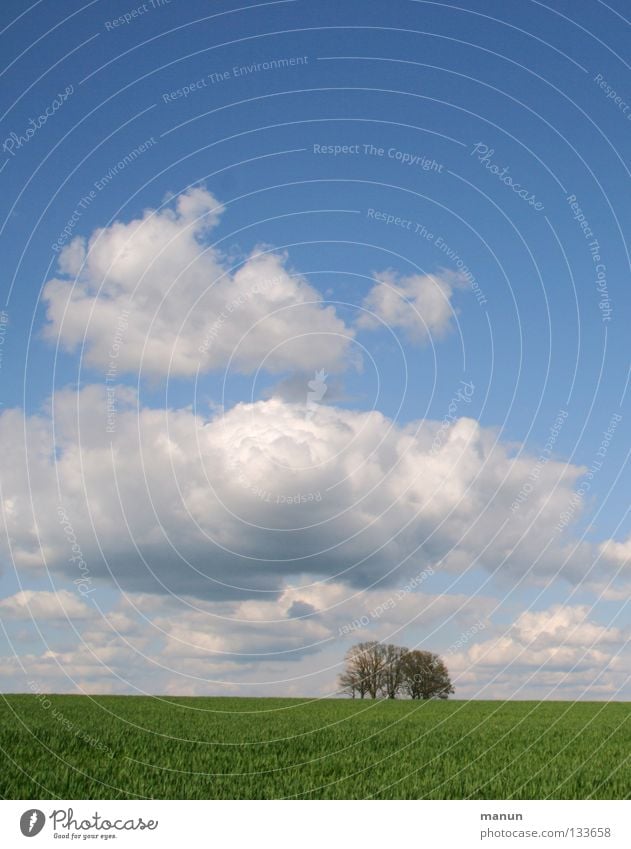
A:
(350, 685)
(354, 679)
(373, 661)
(364, 669)
(392, 676)
(374, 669)
(426, 676)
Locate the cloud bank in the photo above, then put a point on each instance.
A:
(234, 505)
(158, 297)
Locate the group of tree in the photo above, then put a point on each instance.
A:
(376, 669)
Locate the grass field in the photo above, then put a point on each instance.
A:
(111, 747)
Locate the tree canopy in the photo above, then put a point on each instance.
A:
(378, 669)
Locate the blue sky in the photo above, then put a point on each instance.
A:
(480, 92)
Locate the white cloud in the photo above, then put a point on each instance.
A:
(555, 653)
(42, 605)
(617, 553)
(233, 506)
(158, 644)
(161, 644)
(154, 295)
(419, 304)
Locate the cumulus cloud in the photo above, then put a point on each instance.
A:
(154, 295)
(419, 304)
(42, 605)
(617, 553)
(160, 644)
(233, 506)
(294, 644)
(547, 652)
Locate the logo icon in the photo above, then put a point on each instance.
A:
(32, 822)
(317, 391)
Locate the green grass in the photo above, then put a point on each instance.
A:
(112, 747)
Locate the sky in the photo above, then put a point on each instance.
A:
(314, 330)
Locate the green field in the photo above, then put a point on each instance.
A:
(112, 747)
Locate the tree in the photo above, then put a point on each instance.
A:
(350, 685)
(392, 675)
(363, 672)
(374, 669)
(370, 659)
(354, 678)
(425, 676)
(373, 659)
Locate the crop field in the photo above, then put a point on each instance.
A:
(112, 747)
